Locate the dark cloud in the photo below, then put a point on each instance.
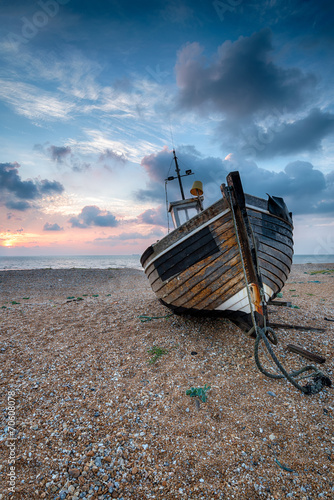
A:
(11, 181)
(93, 216)
(18, 205)
(241, 80)
(283, 138)
(59, 153)
(52, 227)
(210, 170)
(305, 189)
(51, 187)
(108, 154)
(154, 216)
(11, 184)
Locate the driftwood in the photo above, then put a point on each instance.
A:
(279, 303)
(306, 354)
(295, 327)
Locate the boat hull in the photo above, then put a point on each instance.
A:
(204, 266)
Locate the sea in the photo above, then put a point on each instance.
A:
(109, 261)
(70, 262)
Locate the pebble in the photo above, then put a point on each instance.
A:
(110, 453)
(74, 472)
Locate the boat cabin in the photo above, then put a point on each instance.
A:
(184, 210)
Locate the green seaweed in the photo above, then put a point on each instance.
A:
(157, 353)
(199, 392)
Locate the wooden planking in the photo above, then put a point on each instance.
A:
(259, 225)
(268, 258)
(225, 292)
(272, 280)
(187, 227)
(222, 231)
(225, 220)
(271, 233)
(189, 278)
(187, 254)
(269, 218)
(277, 245)
(255, 201)
(275, 271)
(279, 256)
(208, 282)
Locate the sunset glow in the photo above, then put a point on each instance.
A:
(91, 111)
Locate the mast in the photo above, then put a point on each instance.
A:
(178, 174)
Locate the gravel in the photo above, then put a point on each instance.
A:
(95, 420)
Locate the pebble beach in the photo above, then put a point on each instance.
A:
(94, 374)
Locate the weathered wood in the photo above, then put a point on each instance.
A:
(270, 259)
(279, 303)
(219, 289)
(197, 269)
(205, 279)
(306, 354)
(270, 232)
(273, 270)
(295, 327)
(187, 254)
(285, 258)
(224, 238)
(220, 226)
(270, 219)
(187, 227)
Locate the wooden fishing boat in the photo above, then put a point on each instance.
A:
(227, 260)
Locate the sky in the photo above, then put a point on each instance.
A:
(94, 96)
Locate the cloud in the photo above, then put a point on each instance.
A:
(93, 216)
(47, 187)
(109, 154)
(285, 138)
(33, 102)
(305, 189)
(154, 216)
(59, 153)
(18, 205)
(52, 227)
(241, 80)
(210, 170)
(157, 233)
(12, 184)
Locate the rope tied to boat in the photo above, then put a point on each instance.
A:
(267, 335)
(319, 379)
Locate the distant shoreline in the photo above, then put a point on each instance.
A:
(110, 262)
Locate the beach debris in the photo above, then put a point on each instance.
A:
(329, 319)
(157, 353)
(306, 354)
(14, 302)
(199, 392)
(322, 271)
(271, 393)
(284, 467)
(143, 318)
(193, 353)
(295, 327)
(279, 303)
